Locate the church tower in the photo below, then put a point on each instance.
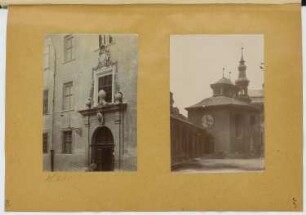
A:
(242, 82)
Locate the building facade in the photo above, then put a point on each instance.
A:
(233, 116)
(90, 106)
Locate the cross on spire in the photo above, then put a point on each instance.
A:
(223, 72)
(242, 52)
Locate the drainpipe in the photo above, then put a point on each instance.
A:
(53, 108)
(88, 122)
(88, 104)
(119, 139)
(122, 128)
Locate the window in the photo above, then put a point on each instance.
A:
(216, 91)
(222, 91)
(45, 102)
(47, 56)
(45, 143)
(67, 96)
(68, 48)
(67, 142)
(106, 83)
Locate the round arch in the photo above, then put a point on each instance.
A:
(102, 135)
(103, 149)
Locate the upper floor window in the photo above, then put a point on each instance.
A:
(67, 96)
(45, 102)
(106, 83)
(45, 143)
(67, 142)
(47, 56)
(217, 91)
(68, 48)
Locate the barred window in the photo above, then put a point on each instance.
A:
(67, 142)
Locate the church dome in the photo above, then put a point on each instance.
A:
(224, 80)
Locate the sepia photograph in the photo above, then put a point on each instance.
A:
(159, 107)
(90, 102)
(217, 103)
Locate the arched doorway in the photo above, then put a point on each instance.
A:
(103, 149)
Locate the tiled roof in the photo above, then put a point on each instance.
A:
(185, 120)
(219, 101)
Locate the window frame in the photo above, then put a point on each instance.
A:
(108, 88)
(67, 85)
(45, 142)
(71, 48)
(110, 70)
(65, 149)
(45, 101)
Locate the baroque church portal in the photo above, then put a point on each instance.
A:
(89, 102)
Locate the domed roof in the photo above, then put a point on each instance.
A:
(220, 101)
(224, 80)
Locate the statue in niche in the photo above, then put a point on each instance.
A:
(104, 57)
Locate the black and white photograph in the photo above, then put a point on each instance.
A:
(217, 103)
(90, 102)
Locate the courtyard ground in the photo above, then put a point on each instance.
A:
(221, 165)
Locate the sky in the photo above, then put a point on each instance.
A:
(196, 61)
